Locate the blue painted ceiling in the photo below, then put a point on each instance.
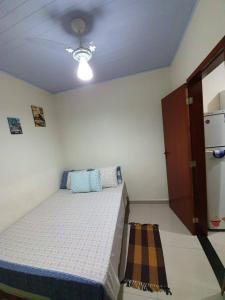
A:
(131, 36)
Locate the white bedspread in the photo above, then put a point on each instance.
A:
(78, 234)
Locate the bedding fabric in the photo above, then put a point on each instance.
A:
(64, 179)
(95, 181)
(109, 177)
(80, 182)
(68, 247)
(119, 175)
(68, 182)
(86, 181)
(68, 178)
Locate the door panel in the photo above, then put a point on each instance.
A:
(198, 154)
(178, 155)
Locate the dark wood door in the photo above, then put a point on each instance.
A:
(178, 155)
(198, 154)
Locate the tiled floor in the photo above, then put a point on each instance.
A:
(217, 239)
(189, 274)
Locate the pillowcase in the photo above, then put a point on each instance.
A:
(109, 177)
(95, 181)
(64, 179)
(119, 175)
(86, 181)
(68, 183)
(80, 182)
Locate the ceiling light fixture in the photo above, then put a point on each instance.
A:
(69, 50)
(82, 54)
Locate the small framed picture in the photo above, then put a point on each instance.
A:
(15, 125)
(38, 114)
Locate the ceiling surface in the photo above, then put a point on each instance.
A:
(131, 36)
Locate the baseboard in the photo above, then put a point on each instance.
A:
(149, 202)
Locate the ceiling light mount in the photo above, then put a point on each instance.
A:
(78, 25)
(81, 52)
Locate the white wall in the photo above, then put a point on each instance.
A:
(29, 163)
(205, 30)
(212, 85)
(118, 122)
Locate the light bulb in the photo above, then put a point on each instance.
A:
(84, 71)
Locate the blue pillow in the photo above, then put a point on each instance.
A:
(80, 182)
(86, 181)
(63, 183)
(95, 181)
(119, 175)
(64, 179)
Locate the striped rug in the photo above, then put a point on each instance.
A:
(145, 268)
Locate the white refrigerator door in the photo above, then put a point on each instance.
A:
(215, 173)
(214, 130)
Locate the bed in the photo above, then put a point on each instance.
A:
(68, 247)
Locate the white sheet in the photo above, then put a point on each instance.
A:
(78, 234)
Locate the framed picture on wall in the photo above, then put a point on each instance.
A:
(38, 114)
(15, 125)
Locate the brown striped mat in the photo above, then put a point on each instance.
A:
(145, 268)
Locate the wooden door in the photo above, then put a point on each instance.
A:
(198, 155)
(178, 155)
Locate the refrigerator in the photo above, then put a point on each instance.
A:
(214, 124)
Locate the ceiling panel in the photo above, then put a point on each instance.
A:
(131, 36)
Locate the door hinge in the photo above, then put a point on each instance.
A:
(195, 220)
(189, 100)
(193, 163)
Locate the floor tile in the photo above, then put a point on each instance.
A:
(221, 254)
(217, 240)
(190, 276)
(133, 294)
(179, 240)
(157, 214)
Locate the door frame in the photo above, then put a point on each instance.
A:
(214, 59)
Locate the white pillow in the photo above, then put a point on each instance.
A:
(109, 177)
(68, 184)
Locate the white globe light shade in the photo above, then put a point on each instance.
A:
(84, 71)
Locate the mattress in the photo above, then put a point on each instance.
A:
(68, 247)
